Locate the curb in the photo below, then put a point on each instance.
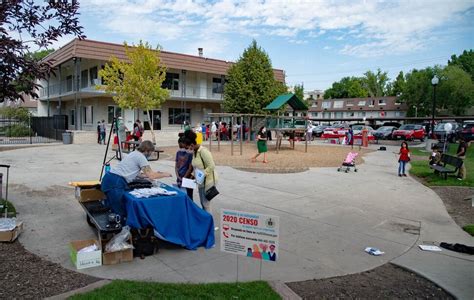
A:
(81, 290)
(283, 290)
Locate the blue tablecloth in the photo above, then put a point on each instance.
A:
(176, 218)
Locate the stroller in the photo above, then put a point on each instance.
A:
(349, 162)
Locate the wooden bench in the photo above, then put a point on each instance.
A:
(448, 160)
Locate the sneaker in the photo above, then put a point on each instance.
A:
(399, 175)
(404, 175)
(459, 178)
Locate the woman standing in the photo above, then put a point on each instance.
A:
(203, 161)
(261, 145)
(403, 159)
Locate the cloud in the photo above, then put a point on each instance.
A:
(366, 28)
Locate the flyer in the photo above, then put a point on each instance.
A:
(250, 234)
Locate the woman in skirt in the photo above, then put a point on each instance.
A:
(261, 145)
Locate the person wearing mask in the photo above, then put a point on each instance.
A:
(204, 162)
(103, 129)
(183, 165)
(116, 181)
(461, 153)
(261, 145)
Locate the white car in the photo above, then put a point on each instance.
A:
(357, 129)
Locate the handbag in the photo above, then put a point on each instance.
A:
(212, 191)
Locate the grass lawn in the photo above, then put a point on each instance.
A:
(421, 168)
(122, 289)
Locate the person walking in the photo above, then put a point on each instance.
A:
(203, 162)
(461, 153)
(214, 131)
(403, 159)
(261, 145)
(98, 132)
(102, 132)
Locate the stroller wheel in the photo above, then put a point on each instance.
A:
(347, 170)
(355, 170)
(339, 169)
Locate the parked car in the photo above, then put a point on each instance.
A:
(449, 130)
(384, 132)
(357, 129)
(394, 124)
(337, 129)
(409, 132)
(467, 132)
(319, 129)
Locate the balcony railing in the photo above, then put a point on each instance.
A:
(195, 92)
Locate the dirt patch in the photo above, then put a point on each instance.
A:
(385, 282)
(56, 190)
(454, 198)
(26, 276)
(286, 161)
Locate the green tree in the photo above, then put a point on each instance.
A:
(298, 90)
(251, 82)
(347, 87)
(456, 90)
(39, 55)
(418, 91)
(377, 84)
(465, 61)
(398, 86)
(137, 83)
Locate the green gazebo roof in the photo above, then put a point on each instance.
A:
(289, 99)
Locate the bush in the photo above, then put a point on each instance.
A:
(11, 208)
(17, 130)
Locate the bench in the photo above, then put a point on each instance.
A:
(448, 160)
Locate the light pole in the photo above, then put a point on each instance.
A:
(434, 82)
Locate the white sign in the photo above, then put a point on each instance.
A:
(250, 234)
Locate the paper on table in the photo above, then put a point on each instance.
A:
(429, 248)
(188, 183)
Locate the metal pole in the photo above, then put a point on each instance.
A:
(433, 112)
(60, 91)
(48, 95)
(231, 135)
(241, 132)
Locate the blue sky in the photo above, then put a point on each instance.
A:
(315, 42)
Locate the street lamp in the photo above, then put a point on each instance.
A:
(434, 82)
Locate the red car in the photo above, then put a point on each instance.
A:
(409, 132)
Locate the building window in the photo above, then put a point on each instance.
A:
(177, 117)
(361, 103)
(73, 117)
(382, 102)
(314, 114)
(350, 114)
(338, 115)
(338, 104)
(326, 115)
(315, 104)
(93, 76)
(349, 103)
(217, 85)
(84, 78)
(326, 104)
(362, 114)
(113, 111)
(171, 82)
(371, 102)
(88, 114)
(398, 114)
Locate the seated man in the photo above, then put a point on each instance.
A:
(115, 182)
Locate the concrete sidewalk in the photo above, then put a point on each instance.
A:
(327, 219)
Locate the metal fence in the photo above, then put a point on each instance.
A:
(33, 131)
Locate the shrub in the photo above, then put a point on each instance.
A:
(18, 130)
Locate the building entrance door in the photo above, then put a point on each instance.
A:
(156, 116)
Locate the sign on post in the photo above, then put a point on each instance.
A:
(250, 234)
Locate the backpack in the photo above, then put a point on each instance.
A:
(145, 242)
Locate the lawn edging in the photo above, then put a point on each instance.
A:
(82, 290)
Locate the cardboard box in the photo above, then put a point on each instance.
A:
(12, 235)
(85, 260)
(113, 258)
(89, 194)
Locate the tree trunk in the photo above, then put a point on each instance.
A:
(153, 138)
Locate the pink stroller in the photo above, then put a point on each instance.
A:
(349, 162)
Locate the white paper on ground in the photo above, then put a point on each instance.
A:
(188, 183)
(429, 248)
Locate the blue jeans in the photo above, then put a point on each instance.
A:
(401, 167)
(114, 187)
(206, 204)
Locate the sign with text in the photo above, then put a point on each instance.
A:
(250, 234)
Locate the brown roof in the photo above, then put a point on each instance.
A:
(391, 103)
(104, 51)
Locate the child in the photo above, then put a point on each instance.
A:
(403, 159)
(261, 145)
(435, 156)
(183, 166)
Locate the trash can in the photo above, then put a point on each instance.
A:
(67, 137)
